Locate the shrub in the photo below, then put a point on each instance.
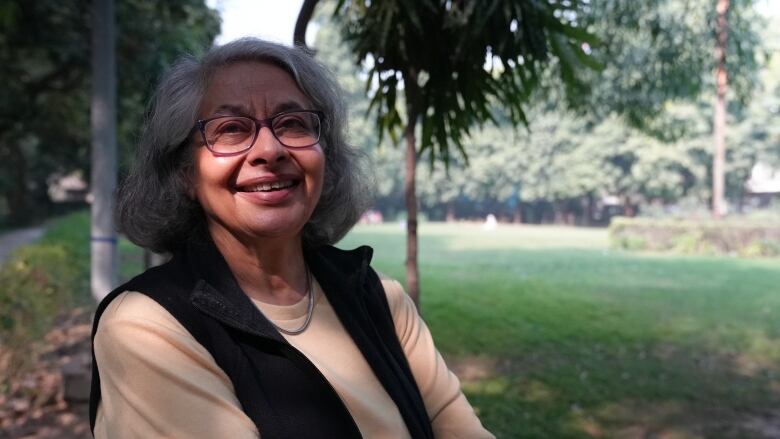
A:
(748, 238)
(35, 286)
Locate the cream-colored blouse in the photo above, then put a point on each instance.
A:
(158, 381)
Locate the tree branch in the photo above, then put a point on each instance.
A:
(304, 17)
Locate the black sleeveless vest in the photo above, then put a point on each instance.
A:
(283, 393)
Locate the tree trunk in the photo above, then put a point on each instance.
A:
(628, 207)
(450, 215)
(15, 190)
(590, 208)
(410, 196)
(558, 216)
(410, 190)
(104, 257)
(517, 214)
(719, 123)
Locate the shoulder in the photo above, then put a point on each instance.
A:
(154, 295)
(393, 290)
(133, 310)
(134, 305)
(135, 329)
(402, 308)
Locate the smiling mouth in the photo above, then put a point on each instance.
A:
(269, 187)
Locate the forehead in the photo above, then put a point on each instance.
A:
(259, 88)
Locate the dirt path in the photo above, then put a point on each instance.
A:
(13, 239)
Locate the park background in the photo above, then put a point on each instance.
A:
(603, 301)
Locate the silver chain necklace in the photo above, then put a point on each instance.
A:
(309, 312)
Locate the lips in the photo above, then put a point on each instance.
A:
(269, 183)
(269, 187)
(269, 190)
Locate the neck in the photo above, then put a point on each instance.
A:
(270, 270)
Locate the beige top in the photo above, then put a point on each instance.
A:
(158, 381)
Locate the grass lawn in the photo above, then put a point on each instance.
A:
(555, 335)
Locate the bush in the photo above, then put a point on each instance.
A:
(35, 286)
(748, 238)
(71, 233)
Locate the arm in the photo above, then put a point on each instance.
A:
(451, 414)
(156, 380)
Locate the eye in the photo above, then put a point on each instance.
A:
(227, 133)
(296, 127)
(232, 126)
(291, 121)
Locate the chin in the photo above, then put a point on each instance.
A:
(276, 228)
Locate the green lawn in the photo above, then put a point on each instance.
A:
(556, 335)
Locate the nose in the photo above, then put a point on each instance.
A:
(266, 150)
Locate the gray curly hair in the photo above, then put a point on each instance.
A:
(154, 209)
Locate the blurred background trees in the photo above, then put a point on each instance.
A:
(45, 72)
(638, 140)
(622, 125)
(603, 108)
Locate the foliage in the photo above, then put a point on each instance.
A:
(45, 279)
(385, 159)
(71, 233)
(35, 285)
(569, 164)
(660, 52)
(437, 49)
(600, 57)
(45, 67)
(561, 167)
(554, 335)
(744, 238)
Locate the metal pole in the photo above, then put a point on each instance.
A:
(104, 256)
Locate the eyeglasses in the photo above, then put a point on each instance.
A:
(232, 135)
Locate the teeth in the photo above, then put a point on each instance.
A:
(264, 187)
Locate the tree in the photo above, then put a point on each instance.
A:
(677, 38)
(104, 252)
(45, 68)
(719, 122)
(433, 53)
(436, 51)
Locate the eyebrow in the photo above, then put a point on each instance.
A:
(241, 110)
(287, 106)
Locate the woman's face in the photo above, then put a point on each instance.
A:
(235, 191)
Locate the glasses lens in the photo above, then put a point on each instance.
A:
(297, 129)
(229, 134)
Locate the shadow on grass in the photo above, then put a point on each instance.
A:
(592, 391)
(572, 343)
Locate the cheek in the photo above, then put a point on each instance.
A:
(209, 171)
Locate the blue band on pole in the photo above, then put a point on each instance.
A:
(108, 239)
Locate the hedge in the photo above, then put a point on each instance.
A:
(747, 238)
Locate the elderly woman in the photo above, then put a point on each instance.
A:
(257, 326)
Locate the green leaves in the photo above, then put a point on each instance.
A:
(449, 42)
(45, 69)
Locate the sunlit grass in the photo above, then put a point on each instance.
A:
(557, 336)
(568, 331)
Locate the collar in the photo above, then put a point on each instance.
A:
(340, 273)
